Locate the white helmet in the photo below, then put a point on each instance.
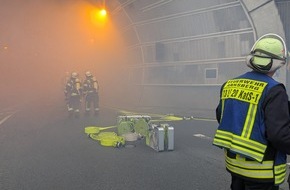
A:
(74, 75)
(88, 74)
(268, 54)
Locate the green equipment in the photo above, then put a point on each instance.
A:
(132, 127)
(125, 127)
(111, 139)
(94, 129)
(133, 124)
(141, 127)
(105, 138)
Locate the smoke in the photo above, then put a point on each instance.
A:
(40, 41)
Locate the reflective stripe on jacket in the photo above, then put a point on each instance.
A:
(242, 129)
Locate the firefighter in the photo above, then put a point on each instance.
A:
(73, 94)
(288, 180)
(254, 120)
(91, 93)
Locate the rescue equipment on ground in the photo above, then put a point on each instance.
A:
(111, 139)
(105, 138)
(137, 123)
(130, 137)
(133, 127)
(130, 128)
(94, 129)
(160, 137)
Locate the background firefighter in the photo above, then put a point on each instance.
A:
(73, 94)
(91, 93)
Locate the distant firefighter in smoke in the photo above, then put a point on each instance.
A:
(91, 93)
(73, 93)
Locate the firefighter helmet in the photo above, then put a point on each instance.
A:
(88, 74)
(268, 54)
(74, 75)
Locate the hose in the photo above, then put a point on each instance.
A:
(105, 138)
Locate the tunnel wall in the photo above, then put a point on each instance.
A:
(169, 63)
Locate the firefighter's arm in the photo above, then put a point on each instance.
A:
(96, 84)
(277, 118)
(218, 110)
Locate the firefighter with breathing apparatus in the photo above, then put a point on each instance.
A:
(91, 93)
(73, 94)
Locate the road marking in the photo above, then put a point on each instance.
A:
(203, 119)
(5, 118)
(202, 136)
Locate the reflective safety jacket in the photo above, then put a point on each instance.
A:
(242, 130)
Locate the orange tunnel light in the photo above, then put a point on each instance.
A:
(98, 16)
(103, 13)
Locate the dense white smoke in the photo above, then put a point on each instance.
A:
(42, 40)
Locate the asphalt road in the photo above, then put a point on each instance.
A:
(43, 149)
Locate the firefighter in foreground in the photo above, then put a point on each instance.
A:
(254, 121)
(91, 93)
(73, 94)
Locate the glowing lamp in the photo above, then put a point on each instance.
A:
(103, 12)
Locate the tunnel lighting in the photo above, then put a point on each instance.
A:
(103, 12)
(99, 15)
